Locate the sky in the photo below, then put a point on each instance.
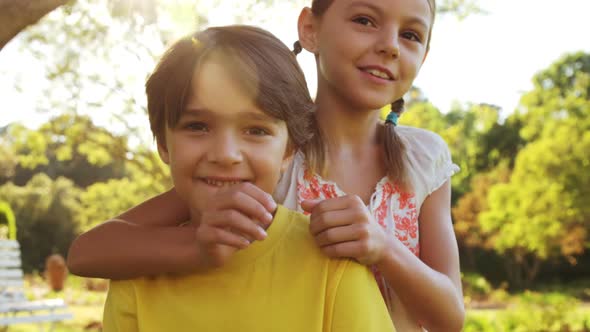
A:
(485, 58)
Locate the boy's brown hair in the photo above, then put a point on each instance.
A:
(263, 66)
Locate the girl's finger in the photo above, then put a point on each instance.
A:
(322, 221)
(338, 235)
(309, 204)
(237, 222)
(332, 204)
(248, 199)
(219, 236)
(343, 250)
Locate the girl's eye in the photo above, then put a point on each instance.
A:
(412, 36)
(257, 131)
(364, 21)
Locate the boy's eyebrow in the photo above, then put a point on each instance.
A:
(243, 115)
(372, 6)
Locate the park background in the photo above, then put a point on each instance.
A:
(506, 84)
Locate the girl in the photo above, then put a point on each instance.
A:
(375, 180)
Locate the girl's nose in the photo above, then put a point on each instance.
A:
(226, 150)
(388, 44)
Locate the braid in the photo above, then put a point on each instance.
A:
(394, 147)
(297, 48)
(397, 106)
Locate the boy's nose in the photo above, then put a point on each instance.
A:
(226, 150)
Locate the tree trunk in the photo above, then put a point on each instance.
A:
(16, 15)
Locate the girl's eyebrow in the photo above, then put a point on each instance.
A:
(417, 20)
(412, 20)
(370, 5)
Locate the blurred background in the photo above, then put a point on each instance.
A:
(506, 84)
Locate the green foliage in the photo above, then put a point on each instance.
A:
(475, 286)
(70, 146)
(542, 312)
(8, 159)
(561, 93)
(7, 220)
(468, 208)
(550, 312)
(45, 213)
(464, 130)
(104, 200)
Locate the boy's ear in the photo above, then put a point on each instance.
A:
(288, 157)
(306, 26)
(163, 152)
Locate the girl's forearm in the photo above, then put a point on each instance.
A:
(121, 250)
(430, 296)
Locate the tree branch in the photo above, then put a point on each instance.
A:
(16, 15)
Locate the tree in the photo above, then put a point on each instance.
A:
(543, 212)
(466, 212)
(560, 92)
(16, 15)
(69, 146)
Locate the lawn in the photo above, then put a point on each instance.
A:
(515, 312)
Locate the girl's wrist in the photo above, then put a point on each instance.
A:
(389, 257)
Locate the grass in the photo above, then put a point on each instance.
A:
(85, 298)
(84, 316)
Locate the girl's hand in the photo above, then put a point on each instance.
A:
(233, 218)
(344, 227)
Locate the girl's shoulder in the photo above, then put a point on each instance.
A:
(423, 144)
(428, 158)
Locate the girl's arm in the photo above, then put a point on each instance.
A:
(430, 287)
(146, 240)
(142, 241)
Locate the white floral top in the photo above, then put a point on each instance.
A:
(429, 165)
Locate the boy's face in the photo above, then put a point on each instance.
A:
(222, 138)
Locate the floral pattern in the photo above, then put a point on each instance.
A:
(394, 209)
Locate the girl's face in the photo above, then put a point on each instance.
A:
(368, 52)
(222, 138)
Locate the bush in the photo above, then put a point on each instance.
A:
(552, 312)
(7, 221)
(45, 212)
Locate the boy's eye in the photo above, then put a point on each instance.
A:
(257, 131)
(363, 20)
(196, 126)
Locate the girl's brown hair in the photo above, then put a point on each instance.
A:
(262, 65)
(394, 148)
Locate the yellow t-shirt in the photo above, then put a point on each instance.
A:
(283, 283)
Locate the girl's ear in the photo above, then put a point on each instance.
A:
(425, 55)
(306, 26)
(163, 152)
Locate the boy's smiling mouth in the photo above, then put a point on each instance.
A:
(221, 182)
